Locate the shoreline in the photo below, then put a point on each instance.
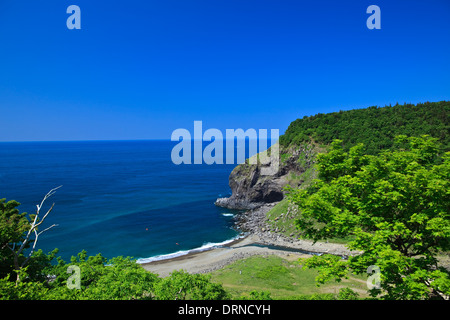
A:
(192, 253)
(216, 258)
(255, 242)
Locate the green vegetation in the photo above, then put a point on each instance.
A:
(375, 127)
(394, 204)
(122, 278)
(34, 276)
(101, 279)
(376, 193)
(374, 188)
(281, 217)
(277, 278)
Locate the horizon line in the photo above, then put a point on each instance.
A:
(115, 140)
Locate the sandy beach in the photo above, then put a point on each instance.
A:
(213, 259)
(258, 241)
(216, 258)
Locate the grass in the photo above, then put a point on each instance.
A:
(279, 217)
(282, 218)
(282, 278)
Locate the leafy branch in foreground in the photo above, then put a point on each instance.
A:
(118, 278)
(396, 208)
(17, 230)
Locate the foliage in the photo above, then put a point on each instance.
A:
(347, 294)
(100, 278)
(181, 285)
(375, 127)
(116, 279)
(12, 228)
(258, 295)
(10, 290)
(396, 207)
(15, 235)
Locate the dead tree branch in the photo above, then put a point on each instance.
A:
(37, 221)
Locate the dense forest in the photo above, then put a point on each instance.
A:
(393, 208)
(383, 183)
(375, 127)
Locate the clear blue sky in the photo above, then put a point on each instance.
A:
(141, 69)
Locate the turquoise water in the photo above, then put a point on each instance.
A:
(119, 198)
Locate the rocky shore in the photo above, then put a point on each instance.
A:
(254, 222)
(255, 194)
(258, 239)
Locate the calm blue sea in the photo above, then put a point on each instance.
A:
(119, 198)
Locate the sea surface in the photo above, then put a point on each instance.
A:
(118, 198)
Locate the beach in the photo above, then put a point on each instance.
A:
(215, 258)
(254, 243)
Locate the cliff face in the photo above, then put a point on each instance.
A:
(250, 189)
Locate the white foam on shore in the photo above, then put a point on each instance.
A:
(205, 247)
(227, 214)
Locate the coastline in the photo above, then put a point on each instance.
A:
(217, 258)
(256, 242)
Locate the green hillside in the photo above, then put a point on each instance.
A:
(376, 127)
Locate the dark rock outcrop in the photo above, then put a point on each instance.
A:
(250, 189)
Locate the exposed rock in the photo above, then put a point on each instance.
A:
(250, 189)
(254, 222)
(256, 194)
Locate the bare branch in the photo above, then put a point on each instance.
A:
(37, 234)
(33, 229)
(53, 225)
(48, 195)
(45, 216)
(32, 249)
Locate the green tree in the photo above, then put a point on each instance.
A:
(347, 294)
(258, 295)
(395, 205)
(374, 126)
(10, 290)
(118, 278)
(181, 285)
(18, 232)
(12, 228)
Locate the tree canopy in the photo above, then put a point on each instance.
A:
(375, 127)
(118, 278)
(395, 208)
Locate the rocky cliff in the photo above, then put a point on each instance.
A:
(250, 189)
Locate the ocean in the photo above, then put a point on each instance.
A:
(118, 198)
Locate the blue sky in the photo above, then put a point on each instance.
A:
(141, 69)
